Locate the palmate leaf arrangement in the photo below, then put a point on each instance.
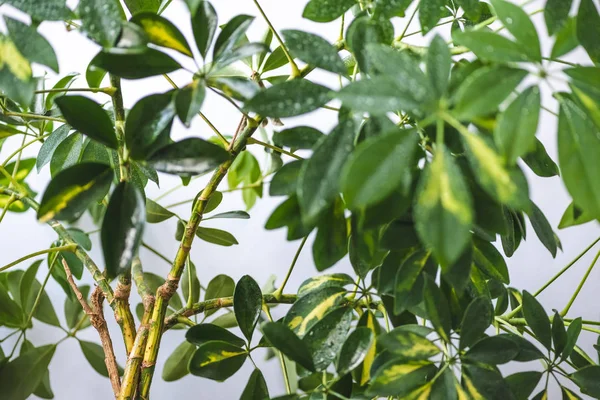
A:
(419, 183)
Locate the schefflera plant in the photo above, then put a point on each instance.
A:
(421, 183)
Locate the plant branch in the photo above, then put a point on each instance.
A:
(33, 116)
(69, 247)
(295, 71)
(279, 291)
(20, 149)
(119, 109)
(274, 148)
(123, 314)
(99, 323)
(106, 90)
(580, 286)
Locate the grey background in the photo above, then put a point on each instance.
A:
(261, 253)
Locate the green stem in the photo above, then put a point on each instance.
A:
(279, 291)
(20, 149)
(39, 295)
(412, 16)
(69, 247)
(106, 90)
(555, 277)
(286, 378)
(119, 110)
(439, 140)
(558, 60)
(295, 71)
(274, 148)
(156, 252)
(33, 116)
(580, 286)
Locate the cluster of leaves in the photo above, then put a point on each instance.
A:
(421, 175)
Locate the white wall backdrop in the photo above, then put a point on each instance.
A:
(260, 253)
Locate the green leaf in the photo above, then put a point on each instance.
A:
(63, 83)
(491, 46)
(86, 116)
(515, 132)
(537, 320)
(230, 35)
(299, 137)
(217, 360)
(122, 228)
(101, 21)
(162, 32)
(566, 39)
(472, 8)
(443, 209)
(176, 366)
(378, 167)
(284, 340)
(326, 10)
(487, 258)
(188, 101)
(556, 14)
(522, 384)
(50, 10)
(136, 6)
(482, 91)
(484, 383)
(430, 12)
(439, 62)
(318, 182)
(72, 190)
(276, 59)
(322, 281)
(190, 274)
(22, 375)
(399, 377)
(314, 50)
(572, 335)
(202, 333)
(216, 236)
(31, 44)
(148, 125)
(229, 215)
(331, 242)
(407, 345)
(573, 216)
(67, 153)
(577, 141)
(188, 157)
(11, 314)
(406, 278)
(588, 379)
(326, 337)
(94, 75)
(50, 144)
(94, 354)
(540, 162)
(256, 388)
(399, 88)
(247, 305)
(543, 229)
(493, 350)
(288, 99)
(559, 333)
(588, 29)
(437, 308)
(477, 318)
(136, 65)
(354, 350)
(29, 290)
(505, 186)
(156, 213)
(517, 22)
(220, 286)
(204, 25)
(312, 308)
